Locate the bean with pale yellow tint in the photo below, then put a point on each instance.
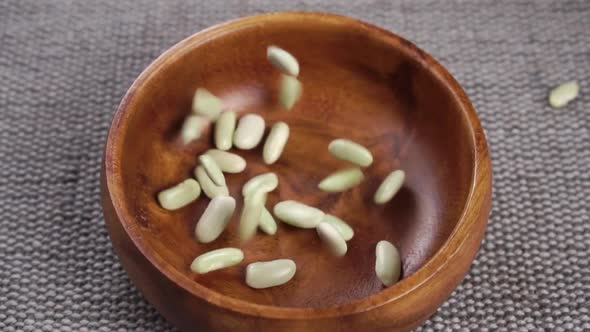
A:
(180, 195)
(267, 223)
(332, 239)
(193, 127)
(209, 188)
(341, 226)
(250, 218)
(249, 131)
(283, 60)
(389, 187)
(215, 218)
(275, 142)
(387, 263)
(217, 259)
(562, 94)
(207, 104)
(342, 180)
(289, 91)
(298, 214)
(228, 162)
(224, 130)
(213, 171)
(350, 151)
(265, 182)
(270, 274)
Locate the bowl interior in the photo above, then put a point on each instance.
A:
(373, 90)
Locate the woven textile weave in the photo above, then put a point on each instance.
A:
(64, 66)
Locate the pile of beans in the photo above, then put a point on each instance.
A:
(246, 133)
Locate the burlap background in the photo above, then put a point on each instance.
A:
(64, 66)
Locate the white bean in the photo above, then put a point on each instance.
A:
(207, 104)
(250, 218)
(224, 130)
(332, 239)
(389, 187)
(275, 142)
(217, 259)
(350, 151)
(180, 195)
(387, 263)
(289, 91)
(341, 226)
(209, 188)
(298, 214)
(213, 171)
(269, 274)
(283, 60)
(342, 180)
(249, 131)
(228, 162)
(267, 223)
(265, 182)
(193, 127)
(563, 94)
(215, 218)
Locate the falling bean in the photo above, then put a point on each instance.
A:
(342, 180)
(250, 218)
(341, 226)
(350, 151)
(283, 60)
(267, 223)
(193, 128)
(224, 130)
(207, 104)
(289, 91)
(332, 238)
(389, 187)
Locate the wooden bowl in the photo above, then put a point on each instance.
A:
(360, 82)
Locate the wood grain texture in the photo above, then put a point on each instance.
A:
(360, 82)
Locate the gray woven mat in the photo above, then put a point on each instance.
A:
(64, 66)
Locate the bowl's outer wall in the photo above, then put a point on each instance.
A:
(190, 313)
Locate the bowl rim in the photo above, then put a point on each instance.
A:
(429, 270)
